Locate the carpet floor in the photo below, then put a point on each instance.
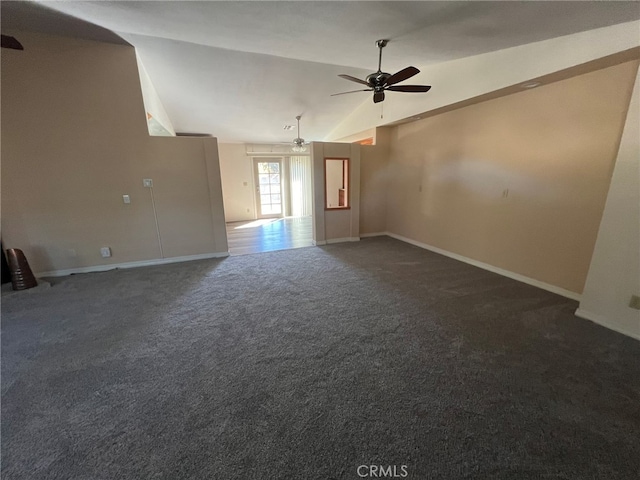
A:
(315, 363)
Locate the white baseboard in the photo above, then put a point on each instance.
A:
(319, 243)
(342, 240)
(376, 234)
(491, 268)
(600, 320)
(142, 263)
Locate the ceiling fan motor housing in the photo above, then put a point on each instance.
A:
(377, 79)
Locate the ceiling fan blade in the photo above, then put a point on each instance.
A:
(378, 97)
(353, 79)
(402, 75)
(352, 91)
(410, 88)
(11, 42)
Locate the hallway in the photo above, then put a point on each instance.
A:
(266, 235)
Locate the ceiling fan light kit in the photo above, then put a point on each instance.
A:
(298, 145)
(380, 81)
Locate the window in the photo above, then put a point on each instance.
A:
(336, 178)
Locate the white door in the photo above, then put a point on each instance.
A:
(268, 175)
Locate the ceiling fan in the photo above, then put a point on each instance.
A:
(380, 81)
(299, 143)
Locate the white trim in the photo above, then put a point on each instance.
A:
(341, 240)
(375, 234)
(142, 263)
(600, 320)
(256, 188)
(491, 268)
(319, 243)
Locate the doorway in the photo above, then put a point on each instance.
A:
(269, 197)
(283, 206)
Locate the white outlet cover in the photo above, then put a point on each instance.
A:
(147, 182)
(126, 199)
(105, 252)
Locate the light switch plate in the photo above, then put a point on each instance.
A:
(126, 199)
(147, 182)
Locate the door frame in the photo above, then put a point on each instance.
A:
(256, 186)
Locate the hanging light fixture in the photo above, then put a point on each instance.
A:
(298, 143)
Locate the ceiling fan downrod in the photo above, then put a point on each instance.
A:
(381, 44)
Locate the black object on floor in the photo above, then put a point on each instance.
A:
(22, 277)
(6, 274)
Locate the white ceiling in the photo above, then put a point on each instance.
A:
(242, 70)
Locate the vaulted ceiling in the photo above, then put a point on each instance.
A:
(242, 70)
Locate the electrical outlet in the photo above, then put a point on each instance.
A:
(105, 252)
(147, 182)
(126, 199)
(635, 302)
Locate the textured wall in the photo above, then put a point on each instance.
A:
(374, 181)
(236, 168)
(518, 182)
(74, 140)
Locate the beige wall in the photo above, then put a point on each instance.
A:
(374, 182)
(614, 274)
(335, 225)
(373, 189)
(237, 182)
(74, 140)
(517, 182)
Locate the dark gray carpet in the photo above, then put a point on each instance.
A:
(307, 363)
